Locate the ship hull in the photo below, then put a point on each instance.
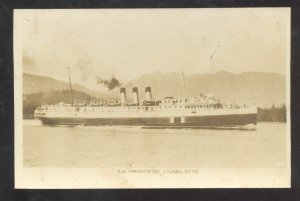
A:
(231, 120)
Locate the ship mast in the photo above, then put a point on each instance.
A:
(70, 86)
(183, 84)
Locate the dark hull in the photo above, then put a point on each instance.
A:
(194, 121)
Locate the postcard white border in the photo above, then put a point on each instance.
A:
(78, 178)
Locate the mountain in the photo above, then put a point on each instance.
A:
(34, 100)
(262, 88)
(36, 84)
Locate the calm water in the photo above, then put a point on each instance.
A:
(136, 147)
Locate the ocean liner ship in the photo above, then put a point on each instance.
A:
(203, 111)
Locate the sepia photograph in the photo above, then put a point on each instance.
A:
(152, 98)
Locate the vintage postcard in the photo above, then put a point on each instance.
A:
(152, 98)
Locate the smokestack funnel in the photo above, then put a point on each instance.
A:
(135, 95)
(148, 95)
(123, 96)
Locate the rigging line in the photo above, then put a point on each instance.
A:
(70, 86)
(183, 83)
(212, 56)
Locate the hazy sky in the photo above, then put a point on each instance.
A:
(131, 42)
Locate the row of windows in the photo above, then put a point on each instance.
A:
(134, 108)
(203, 106)
(173, 101)
(179, 101)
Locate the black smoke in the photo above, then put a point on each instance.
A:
(110, 84)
